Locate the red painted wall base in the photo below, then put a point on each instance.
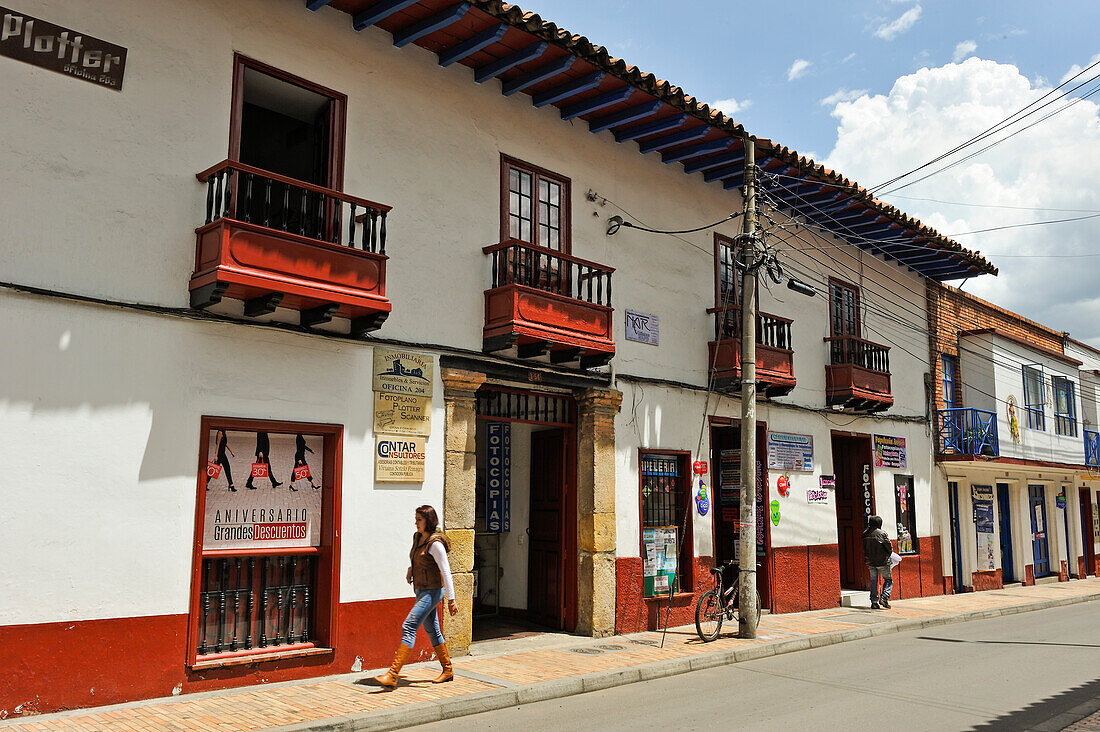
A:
(989, 579)
(635, 613)
(1029, 574)
(49, 667)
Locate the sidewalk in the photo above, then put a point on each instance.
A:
(509, 673)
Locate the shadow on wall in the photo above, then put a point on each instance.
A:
(87, 384)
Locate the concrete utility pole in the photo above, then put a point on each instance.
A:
(747, 542)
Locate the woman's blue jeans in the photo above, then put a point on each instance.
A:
(424, 613)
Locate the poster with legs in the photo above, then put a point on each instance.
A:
(266, 512)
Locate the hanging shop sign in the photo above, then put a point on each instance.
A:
(399, 459)
(1060, 500)
(890, 452)
(498, 485)
(403, 372)
(775, 513)
(790, 452)
(643, 327)
(867, 488)
(783, 485)
(702, 502)
(402, 414)
(658, 560)
(699, 467)
(263, 491)
(73, 53)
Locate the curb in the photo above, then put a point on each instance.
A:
(487, 701)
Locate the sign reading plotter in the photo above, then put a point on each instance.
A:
(66, 51)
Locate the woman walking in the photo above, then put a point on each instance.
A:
(430, 574)
(222, 444)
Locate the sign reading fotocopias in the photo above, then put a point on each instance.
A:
(60, 49)
(263, 490)
(399, 459)
(403, 372)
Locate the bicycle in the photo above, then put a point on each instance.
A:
(721, 602)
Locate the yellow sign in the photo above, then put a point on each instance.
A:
(400, 414)
(399, 459)
(403, 372)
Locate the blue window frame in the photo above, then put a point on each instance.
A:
(949, 365)
(1065, 406)
(1033, 397)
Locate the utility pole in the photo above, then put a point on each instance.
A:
(747, 536)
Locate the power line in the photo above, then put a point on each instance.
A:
(1033, 223)
(993, 205)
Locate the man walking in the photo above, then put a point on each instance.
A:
(877, 550)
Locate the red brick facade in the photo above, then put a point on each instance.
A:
(951, 311)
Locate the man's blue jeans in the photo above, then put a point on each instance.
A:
(424, 613)
(887, 582)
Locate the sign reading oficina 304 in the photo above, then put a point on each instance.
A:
(403, 372)
(66, 51)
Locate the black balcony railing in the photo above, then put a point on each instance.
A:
(518, 263)
(858, 352)
(255, 602)
(771, 330)
(254, 196)
(967, 431)
(1092, 449)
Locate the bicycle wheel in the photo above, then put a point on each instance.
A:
(708, 616)
(737, 611)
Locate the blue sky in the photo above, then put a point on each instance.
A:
(873, 89)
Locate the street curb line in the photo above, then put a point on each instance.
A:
(486, 701)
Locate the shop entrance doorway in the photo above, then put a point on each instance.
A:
(1008, 571)
(525, 546)
(1087, 546)
(725, 441)
(855, 501)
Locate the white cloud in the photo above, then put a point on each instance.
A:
(848, 58)
(731, 106)
(842, 95)
(890, 31)
(798, 69)
(1075, 70)
(964, 49)
(933, 109)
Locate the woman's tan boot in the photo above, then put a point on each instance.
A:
(444, 661)
(390, 677)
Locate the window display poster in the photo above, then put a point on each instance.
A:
(906, 514)
(659, 560)
(263, 490)
(790, 452)
(985, 552)
(890, 452)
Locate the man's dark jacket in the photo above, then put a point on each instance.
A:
(876, 544)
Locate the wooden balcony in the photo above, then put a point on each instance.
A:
(774, 356)
(550, 305)
(273, 241)
(858, 375)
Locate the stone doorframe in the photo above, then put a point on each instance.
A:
(595, 504)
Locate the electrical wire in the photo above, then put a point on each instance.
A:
(994, 205)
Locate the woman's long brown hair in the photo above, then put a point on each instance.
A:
(431, 519)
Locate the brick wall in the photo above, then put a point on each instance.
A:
(951, 311)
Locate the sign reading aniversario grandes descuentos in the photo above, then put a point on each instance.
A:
(60, 49)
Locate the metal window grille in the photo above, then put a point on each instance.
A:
(525, 406)
(255, 602)
(663, 492)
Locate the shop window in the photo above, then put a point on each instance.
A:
(667, 543)
(950, 366)
(1065, 406)
(905, 510)
(1033, 397)
(264, 578)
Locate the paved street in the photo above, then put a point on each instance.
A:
(1014, 672)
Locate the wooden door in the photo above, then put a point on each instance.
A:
(852, 463)
(1039, 548)
(546, 573)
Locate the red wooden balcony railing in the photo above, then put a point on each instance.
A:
(858, 374)
(273, 241)
(774, 354)
(546, 303)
